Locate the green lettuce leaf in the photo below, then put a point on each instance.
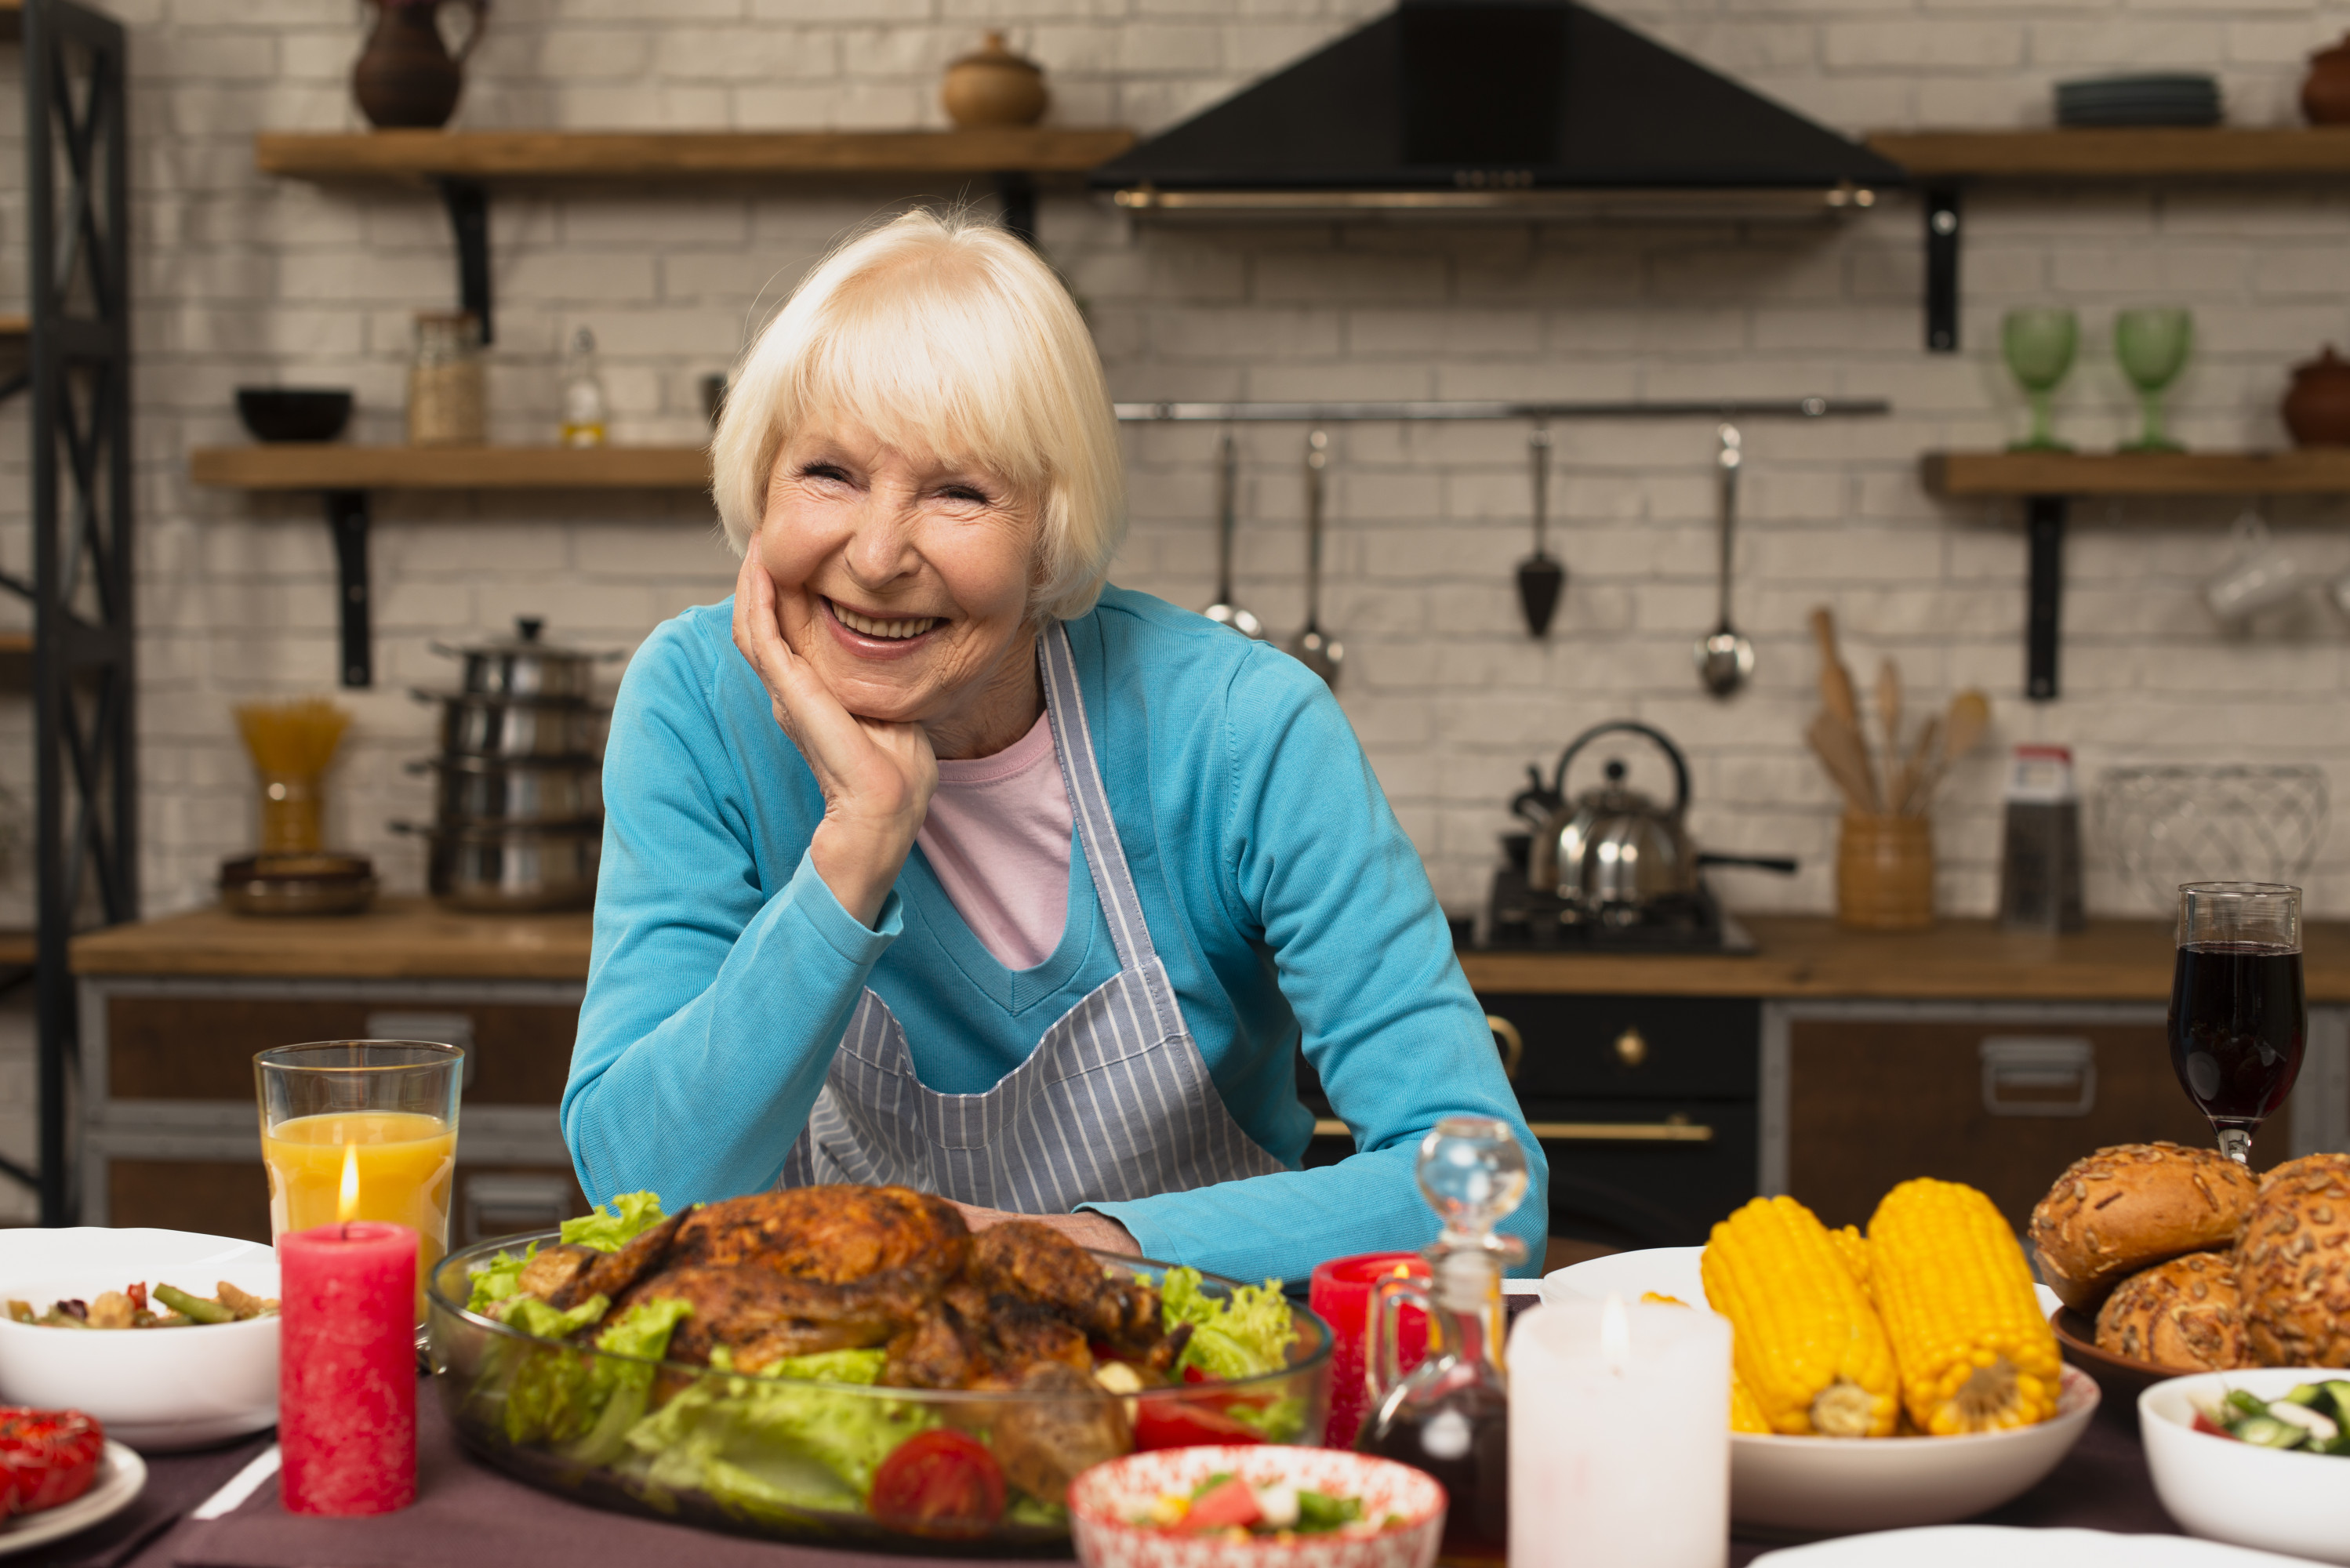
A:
(1279, 1422)
(540, 1321)
(501, 1278)
(631, 1215)
(1245, 1334)
(619, 1390)
(831, 1367)
(770, 1444)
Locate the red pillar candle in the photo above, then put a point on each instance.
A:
(346, 1377)
(1340, 1294)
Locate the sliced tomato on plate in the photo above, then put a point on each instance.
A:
(1181, 1424)
(1227, 1503)
(46, 1457)
(939, 1483)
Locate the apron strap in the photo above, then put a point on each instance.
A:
(1073, 740)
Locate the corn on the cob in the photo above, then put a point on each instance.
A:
(1745, 1410)
(1975, 1352)
(1806, 1342)
(1853, 1250)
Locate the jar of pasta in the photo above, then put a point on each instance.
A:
(445, 401)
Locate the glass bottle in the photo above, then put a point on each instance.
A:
(446, 402)
(1451, 1415)
(583, 393)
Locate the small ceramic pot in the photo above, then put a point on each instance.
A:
(993, 86)
(2316, 407)
(2326, 92)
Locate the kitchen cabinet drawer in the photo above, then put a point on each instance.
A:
(1630, 1047)
(231, 1197)
(160, 1046)
(2003, 1105)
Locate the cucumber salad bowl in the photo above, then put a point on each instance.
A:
(815, 1450)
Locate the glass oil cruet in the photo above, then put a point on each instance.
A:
(1450, 1417)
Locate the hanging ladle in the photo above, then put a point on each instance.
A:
(1317, 652)
(1540, 579)
(1223, 611)
(1725, 659)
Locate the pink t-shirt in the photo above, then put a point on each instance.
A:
(998, 837)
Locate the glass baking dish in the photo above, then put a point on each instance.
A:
(794, 1459)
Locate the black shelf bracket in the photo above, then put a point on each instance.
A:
(468, 201)
(2044, 522)
(1943, 269)
(1017, 194)
(347, 519)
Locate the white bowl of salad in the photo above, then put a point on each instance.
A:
(2258, 1456)
(1255, 1508)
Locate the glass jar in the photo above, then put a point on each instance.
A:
(446, 401)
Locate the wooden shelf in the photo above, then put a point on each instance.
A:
(17, 950)
(679, 154)
(2150, 153)
(16, 324)
(2312, 471)
(297, 467)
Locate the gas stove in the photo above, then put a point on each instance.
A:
(1523, 919)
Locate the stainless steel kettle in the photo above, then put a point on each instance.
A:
(1613, 847)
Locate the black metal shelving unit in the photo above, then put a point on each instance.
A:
(78, 376)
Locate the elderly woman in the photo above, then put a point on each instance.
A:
(933, 859)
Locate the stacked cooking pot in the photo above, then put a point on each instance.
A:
(521, 815)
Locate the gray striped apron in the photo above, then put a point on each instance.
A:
(1114, 1104)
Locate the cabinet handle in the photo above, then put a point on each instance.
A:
(1631, 1047)
(1513, 1044)
(1576, 1132)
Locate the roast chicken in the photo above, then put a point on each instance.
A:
(1016, 1308)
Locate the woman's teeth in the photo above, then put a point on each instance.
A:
(892, 630)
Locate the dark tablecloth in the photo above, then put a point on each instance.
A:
(466, 1514)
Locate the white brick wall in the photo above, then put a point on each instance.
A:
(244, 279)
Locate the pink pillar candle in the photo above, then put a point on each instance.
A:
(1340, 1294)
(347, 1377)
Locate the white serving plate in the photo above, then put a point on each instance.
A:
(156, 1389)
(2226, 1490)
(1836, 1485)
(1980, 1545)
(122, 1475)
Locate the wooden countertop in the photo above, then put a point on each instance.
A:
(1812, 956)
(1801, 956)
(399, 938)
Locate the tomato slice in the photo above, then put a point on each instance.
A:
(940, 1483)
(46, 1457)
(1227, 1503)
(1176, 1423)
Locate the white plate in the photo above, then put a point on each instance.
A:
(158, 1389)
(2226, 1490)
(1840, 1486)
(120, 1478)
(1980, 1545)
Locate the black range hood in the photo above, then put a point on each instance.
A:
(1470, 107)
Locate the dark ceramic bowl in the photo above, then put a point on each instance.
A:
(294, 413)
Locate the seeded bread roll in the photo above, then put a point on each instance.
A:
(2130, 1207)
(2182, 1315)
(2292, 1264)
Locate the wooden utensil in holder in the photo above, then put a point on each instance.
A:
(1884, 872)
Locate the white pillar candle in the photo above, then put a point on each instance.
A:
(1619, 1437)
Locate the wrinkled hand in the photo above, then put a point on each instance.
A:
(1099, 1231)
(877, 777)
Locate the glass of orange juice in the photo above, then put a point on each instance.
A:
(362, 1129)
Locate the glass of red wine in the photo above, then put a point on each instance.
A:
(2237, 1021)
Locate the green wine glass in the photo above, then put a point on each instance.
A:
(2039, 345)
(2152, 344)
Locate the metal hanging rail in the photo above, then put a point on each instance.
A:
(1340, 413)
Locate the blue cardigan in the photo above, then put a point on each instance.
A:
(1286, 903)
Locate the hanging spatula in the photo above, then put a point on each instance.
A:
(1540, 579)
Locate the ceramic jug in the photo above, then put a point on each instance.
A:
(993, 86)
(2317, 405)
(2326, 92)
(406, 76)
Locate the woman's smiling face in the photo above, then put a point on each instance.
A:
(904, 579)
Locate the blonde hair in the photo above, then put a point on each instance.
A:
(949, 338)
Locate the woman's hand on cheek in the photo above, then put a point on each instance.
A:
(877, 778)
(1099, 1231)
